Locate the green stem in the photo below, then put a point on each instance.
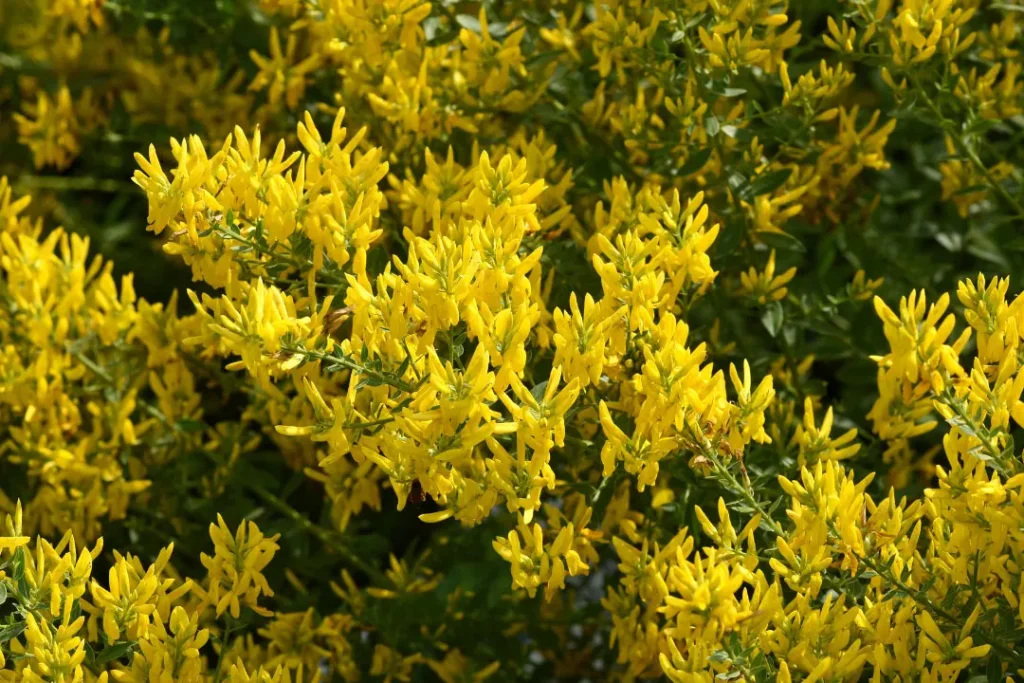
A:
(112, 383)
(744, 492)
(276, 255)
(350, 364)
(331, 540)
(605, 491)
(967, 150)
(981, 433)
(225, 641)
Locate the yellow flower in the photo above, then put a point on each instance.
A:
(257, 329)
(854, 150)
(862, 288)
(533, 564)
(56, 654)
(949, 657)
(456, 668)
(765, 286)
(749, 414)
(235, 569)
(81, 12)
(405, 581)
(50, 129)
(815, 443)
(640, 454)
(503, 335)
(565, 36)
(280, 74)
(391, 665)
(581, 341)
(918, 341)
(489, 63)
(541, 422)
(12, 538)
(129, 604)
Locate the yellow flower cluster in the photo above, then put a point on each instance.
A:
(77, 352)
(74, 627)
(395, 392)
(933, 586)
(98, 71)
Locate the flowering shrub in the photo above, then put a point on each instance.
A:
(532, 340)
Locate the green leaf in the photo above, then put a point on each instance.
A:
(3, 592)
(737, 182)
(950, 241)
(115, 651)
(712, 126)
(400, 372)
(828, 250)
(766, 183)
(729, 238)
(782, 241)
(994, 670)
(18, 570)
(190, 425)
(468, 21)
(962, 426)
(969, 189)
(11, 631)
(541, 58)
(772, 318)
(443, 38)
(694, 162)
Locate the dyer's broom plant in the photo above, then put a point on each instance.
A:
(511, 341)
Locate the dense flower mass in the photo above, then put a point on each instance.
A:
(522, 340)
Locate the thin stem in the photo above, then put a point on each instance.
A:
(232, 624)
(996, 185)
(979, 431)
(967, 150)
(350, 364)
(368, 425)
(1006, 653)
(112, 383)
(289, 257)
(605, 490)
(745, 492)
(331, 540)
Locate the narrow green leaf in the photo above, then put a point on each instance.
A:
(191, 425)
(11, 631)
(766, 183)
(694, 162)
(115, 651)
(782, 241)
